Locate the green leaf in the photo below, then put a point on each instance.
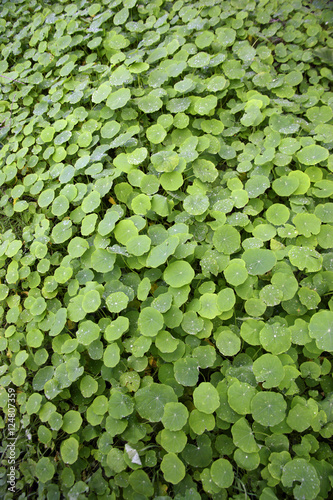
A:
(110, 129)
(91, 202)
(45, 469)
(209, 306)
(216, 82)
(204, 39)
(115, 460)
(205, 355)
(121, 75)
(236, 273)
(191, 323)
(307, 224)
(101, 93)
(206, 398)
(226, 298)
(120, 405)
(285, 185)
(302, 472)
(111, 355)
(102, 260)
(222, 473)
(227, 342)
(205, 170)
(319, 114)
(205, 105)
(268, 408)
(69, 450)
(277, 214)
(62, 231)
(226, 239)
(257, 185)
(118, 99)
(88, 386)
(137, 156)
(243, 436)
(320, 329)
(259, 261)
(91, 301)
(233, 69)
(72, 422)
(34, 403)
(47, 134)
(178, 274)
(175, 416)
(116, 301)
(151, 400)
(124, 231)
(200, 455)
(173, 441)
(139, 245)
(38, 306)
(275, 338)
(116, 328)
(141, 483)
(173, 468)
(196, 204)
(88, 224)
(186, 372)
(305, 258)
(159, 254)
(240, 395)
(156, 134)
(311, 155)
(199, 60)
(285, 124)
(200, 422)
(77, 247)
(88, 332)
(141, 204)
(165, 342)
(246, 460)
(302, 414)
(269, 370)
(150, 322)
(165, 161)
(149, 104)
(226, 36)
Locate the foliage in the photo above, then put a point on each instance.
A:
(166, 248)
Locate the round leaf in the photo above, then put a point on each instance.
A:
(186, 372)
(311, 155)
(116, 302)
(222, 473)
(321, 329)
(196, 204)
(228, 343)
(45, 469)
(178, 274)
(175, 416)
(206, 398)
(151, 400)
(173, 468)
(150, 322)
(72, 422)
(301, 471)
(259, 261)
(268, 369)
(226, 239)
(69, 449)
(268, 408)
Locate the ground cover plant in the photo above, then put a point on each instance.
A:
(166, 249)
